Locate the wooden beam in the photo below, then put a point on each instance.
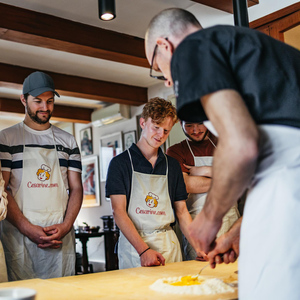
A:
(81, 87)
(225, 5)
(275, 16)
(60, 113)
(39, 29)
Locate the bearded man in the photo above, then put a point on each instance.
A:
(37, 235)
(195, 155)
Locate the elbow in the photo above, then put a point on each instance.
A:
(248, 152)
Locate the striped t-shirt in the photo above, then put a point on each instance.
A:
(11, 150)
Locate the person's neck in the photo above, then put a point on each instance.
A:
(33, 125)
(149, 152)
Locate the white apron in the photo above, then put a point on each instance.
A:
(269, 263)
(195, 203)
(151, 212)
(43, 202)
(3, 272)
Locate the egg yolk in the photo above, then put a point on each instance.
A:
(187, 280)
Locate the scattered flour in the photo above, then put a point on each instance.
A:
(192, 285)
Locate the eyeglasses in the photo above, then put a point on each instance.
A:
(154, 76)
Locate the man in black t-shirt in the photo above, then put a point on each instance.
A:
(244, 86)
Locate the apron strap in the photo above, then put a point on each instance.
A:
(211, 142)
(130, 160)
(190, 148)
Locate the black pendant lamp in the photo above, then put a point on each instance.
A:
(107, 10)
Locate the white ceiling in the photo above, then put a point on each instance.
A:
(133, 17)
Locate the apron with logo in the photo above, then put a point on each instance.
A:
(151, 212)
(269, 263)
(43, 199)
(195, 203)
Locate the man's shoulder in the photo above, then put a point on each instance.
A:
(177, 148)
(173, 162)
(10, 133)
(11, 128)
(120, 158)
(60, 131)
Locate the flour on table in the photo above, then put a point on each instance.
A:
(192, 285)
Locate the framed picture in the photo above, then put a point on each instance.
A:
(86, 141)
(90, 181)
(129, 138)
(138, 127)
(110, 146)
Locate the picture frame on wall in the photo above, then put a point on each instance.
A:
(110, 146)
(90, 181)
(86, 141)
(129, 138)
(138, 127)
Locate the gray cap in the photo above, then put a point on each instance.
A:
(38, 83)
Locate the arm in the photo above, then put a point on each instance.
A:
(228, 245)
(200, 171)
(234, 162)
(58, 231)
(17, 219)
(195, 183)
(185, 220)
(148, 258)
(196, 179)
(3, 199)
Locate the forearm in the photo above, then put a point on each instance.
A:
(184, 218)
(233, 170)
(128, 229)
(73, 208)
(15, 215)
(196, 184)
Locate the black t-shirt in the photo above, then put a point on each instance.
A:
(119, 175)
(265, 71)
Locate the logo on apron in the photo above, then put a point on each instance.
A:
(151, 200)
(43, 173)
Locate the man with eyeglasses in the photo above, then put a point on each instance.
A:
(195, 155)
(245, 84)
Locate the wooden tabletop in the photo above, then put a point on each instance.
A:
(126, 284)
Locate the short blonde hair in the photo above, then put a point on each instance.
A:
(158, 110)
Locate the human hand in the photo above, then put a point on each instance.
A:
(152, 258)
(53, 235)
(226, 247)
(203, 232)
(36, 234)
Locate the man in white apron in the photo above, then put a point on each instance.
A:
(247, 85)
(3, 212)
(40, 163)
(146, 187)
(195, 155)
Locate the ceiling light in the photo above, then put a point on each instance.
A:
(107, 10)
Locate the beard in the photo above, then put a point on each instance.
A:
(196, 141)
(34, 116)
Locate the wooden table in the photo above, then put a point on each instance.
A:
(110, 237)
(131, 284)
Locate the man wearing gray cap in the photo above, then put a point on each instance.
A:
(41, 167)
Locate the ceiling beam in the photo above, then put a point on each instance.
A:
(225, 5)
(67, 85)
(43, 30)
(60, 113)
